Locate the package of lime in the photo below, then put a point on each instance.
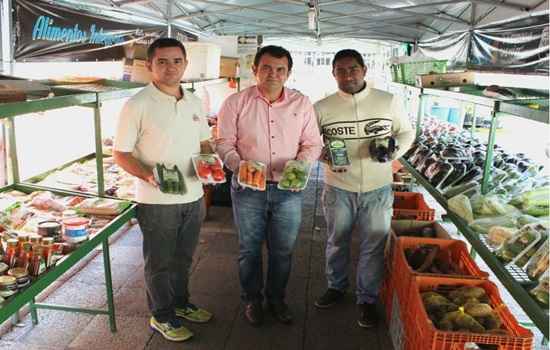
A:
(209, 168)
(295, 175)
(252, 174)
(170, 179)
(338, 154)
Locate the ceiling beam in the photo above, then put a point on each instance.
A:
(158, 9)
(419, 14)
(194, 22)
(229, 8)
(372, 12)
(501, 3)
(261, 25)
(129, 2)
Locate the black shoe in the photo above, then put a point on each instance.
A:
(368, 316)
(281, 312)
(331, 297)
(254, 313)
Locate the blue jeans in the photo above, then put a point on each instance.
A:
(273, 216)
(371, 213)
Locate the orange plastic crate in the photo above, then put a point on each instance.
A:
(422, 334)
(399, 274)
(411, 205)
(452, 251)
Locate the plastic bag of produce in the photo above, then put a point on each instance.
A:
(540, 292)
(44, 200)
(491, 206)
(460, 205)
(519, 248)
(482, 225)
(498, 235)
(525, 219)
(536, 197)
(538, 262)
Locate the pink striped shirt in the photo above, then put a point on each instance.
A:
(271, 133)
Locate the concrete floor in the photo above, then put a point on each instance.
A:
(214, 286)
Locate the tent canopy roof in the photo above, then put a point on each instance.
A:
(396, 20)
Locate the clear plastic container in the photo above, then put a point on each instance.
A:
(252, 174)
(522, 245)
(538, 262)
(540, 292)
(295, 175)
(209, 168)
(170, 179)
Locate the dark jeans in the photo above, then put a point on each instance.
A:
(273, 216)
(170, 235)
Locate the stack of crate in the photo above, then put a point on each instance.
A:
(409, 324)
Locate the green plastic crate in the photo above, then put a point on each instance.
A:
(406, 72)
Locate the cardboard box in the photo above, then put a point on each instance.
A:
(445, 79)
(228, 67)
(136, 71)
(203, 61)
(136, 51)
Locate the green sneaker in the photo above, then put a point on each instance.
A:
(194, 314)
(172, 330)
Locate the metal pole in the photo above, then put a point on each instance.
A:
(10, 125)
(109, 284)
(169, 15)
(99, 150)
(34, 314)
(420, 113)
(487, 167)
(7, 37)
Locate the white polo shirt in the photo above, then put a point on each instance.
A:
(157, 128)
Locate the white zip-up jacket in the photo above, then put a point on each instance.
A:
(358, 119)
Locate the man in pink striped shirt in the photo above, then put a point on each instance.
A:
(271, 124)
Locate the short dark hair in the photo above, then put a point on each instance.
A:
(348, 53)
(164, 42)
(275, 51)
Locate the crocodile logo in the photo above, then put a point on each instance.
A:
(376, 127)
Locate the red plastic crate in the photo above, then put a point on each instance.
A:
(453, 251)
(422, 334)
(411, 205)
(399, 274)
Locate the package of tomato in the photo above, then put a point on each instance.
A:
(252, 174)
(209, 168)
(295, 175)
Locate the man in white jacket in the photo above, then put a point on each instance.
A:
(361, 194)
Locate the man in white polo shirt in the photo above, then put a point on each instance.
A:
(162, 124)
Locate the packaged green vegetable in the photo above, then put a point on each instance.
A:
(482, 225)
(540, 292)
(170, 179)
(538, 263)
(460, 205)
(523, 244)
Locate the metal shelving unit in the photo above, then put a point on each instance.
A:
(104, 90)
(532, 106)
(67, 97)
(27, 295)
